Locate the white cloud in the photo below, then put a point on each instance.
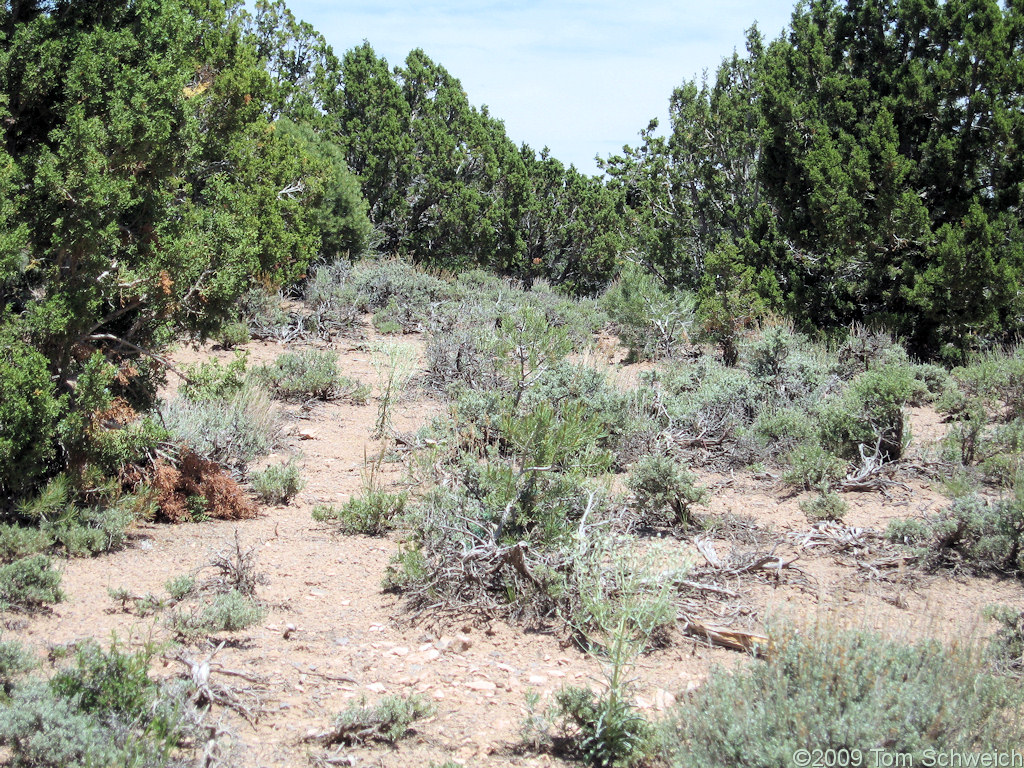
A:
(580, 76)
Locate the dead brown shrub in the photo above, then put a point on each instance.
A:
(181, 487)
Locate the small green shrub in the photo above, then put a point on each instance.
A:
(974, 534)
(180, 587)
(825, 506)
(389, 720)
(15, 661)
(387, 319)
(607, 730)
(105, 683)
(44, 730)
(652, 320)
(279, 483)
(213, 381)
(870, 414)
(233, 334)
(29, 583)
(661, 485)
(1006, 647)
(103, 709)
(811, 466)
(18, 541)
(908, 531)
(232, 432)
(781, 430)
(414, 295)
(228, 612)
(851, 690)
(372, 514)
(311, 374)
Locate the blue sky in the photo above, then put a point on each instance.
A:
(582, 77)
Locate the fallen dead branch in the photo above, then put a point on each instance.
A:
(744, 564)
(245, 701)
(873, 474)
(724, 637)
(828, 533)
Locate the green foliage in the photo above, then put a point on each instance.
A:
(180, 587)
(869, 415)
(825, 506)
(729, 301)
(339, 212)
(107, 683)
(652, 320)
(278, 483)
(399, 292)
(44, 730)
(18, 541)
(373, 513)
(811, 466)
(143, 188)
(973, 534)
(1006, 646)
(228, 612)
(213, 381)
(64, 520)
(933, 265)
(29, 412)
(782, 430)
(15, 661)
(874, 691)
(309, 374)
(389, 720)
(233, 334)
(661, 485)
(102, 709)
(29, 583)
(610, 730)
(233, 431)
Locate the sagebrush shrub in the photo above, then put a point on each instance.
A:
(231, 432)
(975, 534)
(212, 381)
(278, 483)
(810, 466)
(373, 513)
(29, 583)
(869, 413)
(389, 720)
(851, 690)
(825, 506)
(227, 612)
(661, 486)
(310, 374)
(15, 661)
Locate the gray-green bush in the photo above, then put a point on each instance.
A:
(844, 690)
(278, 483)
(310, 374)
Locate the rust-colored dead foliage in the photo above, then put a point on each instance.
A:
(197, 477)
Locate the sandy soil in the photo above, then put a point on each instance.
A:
(352, 640)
